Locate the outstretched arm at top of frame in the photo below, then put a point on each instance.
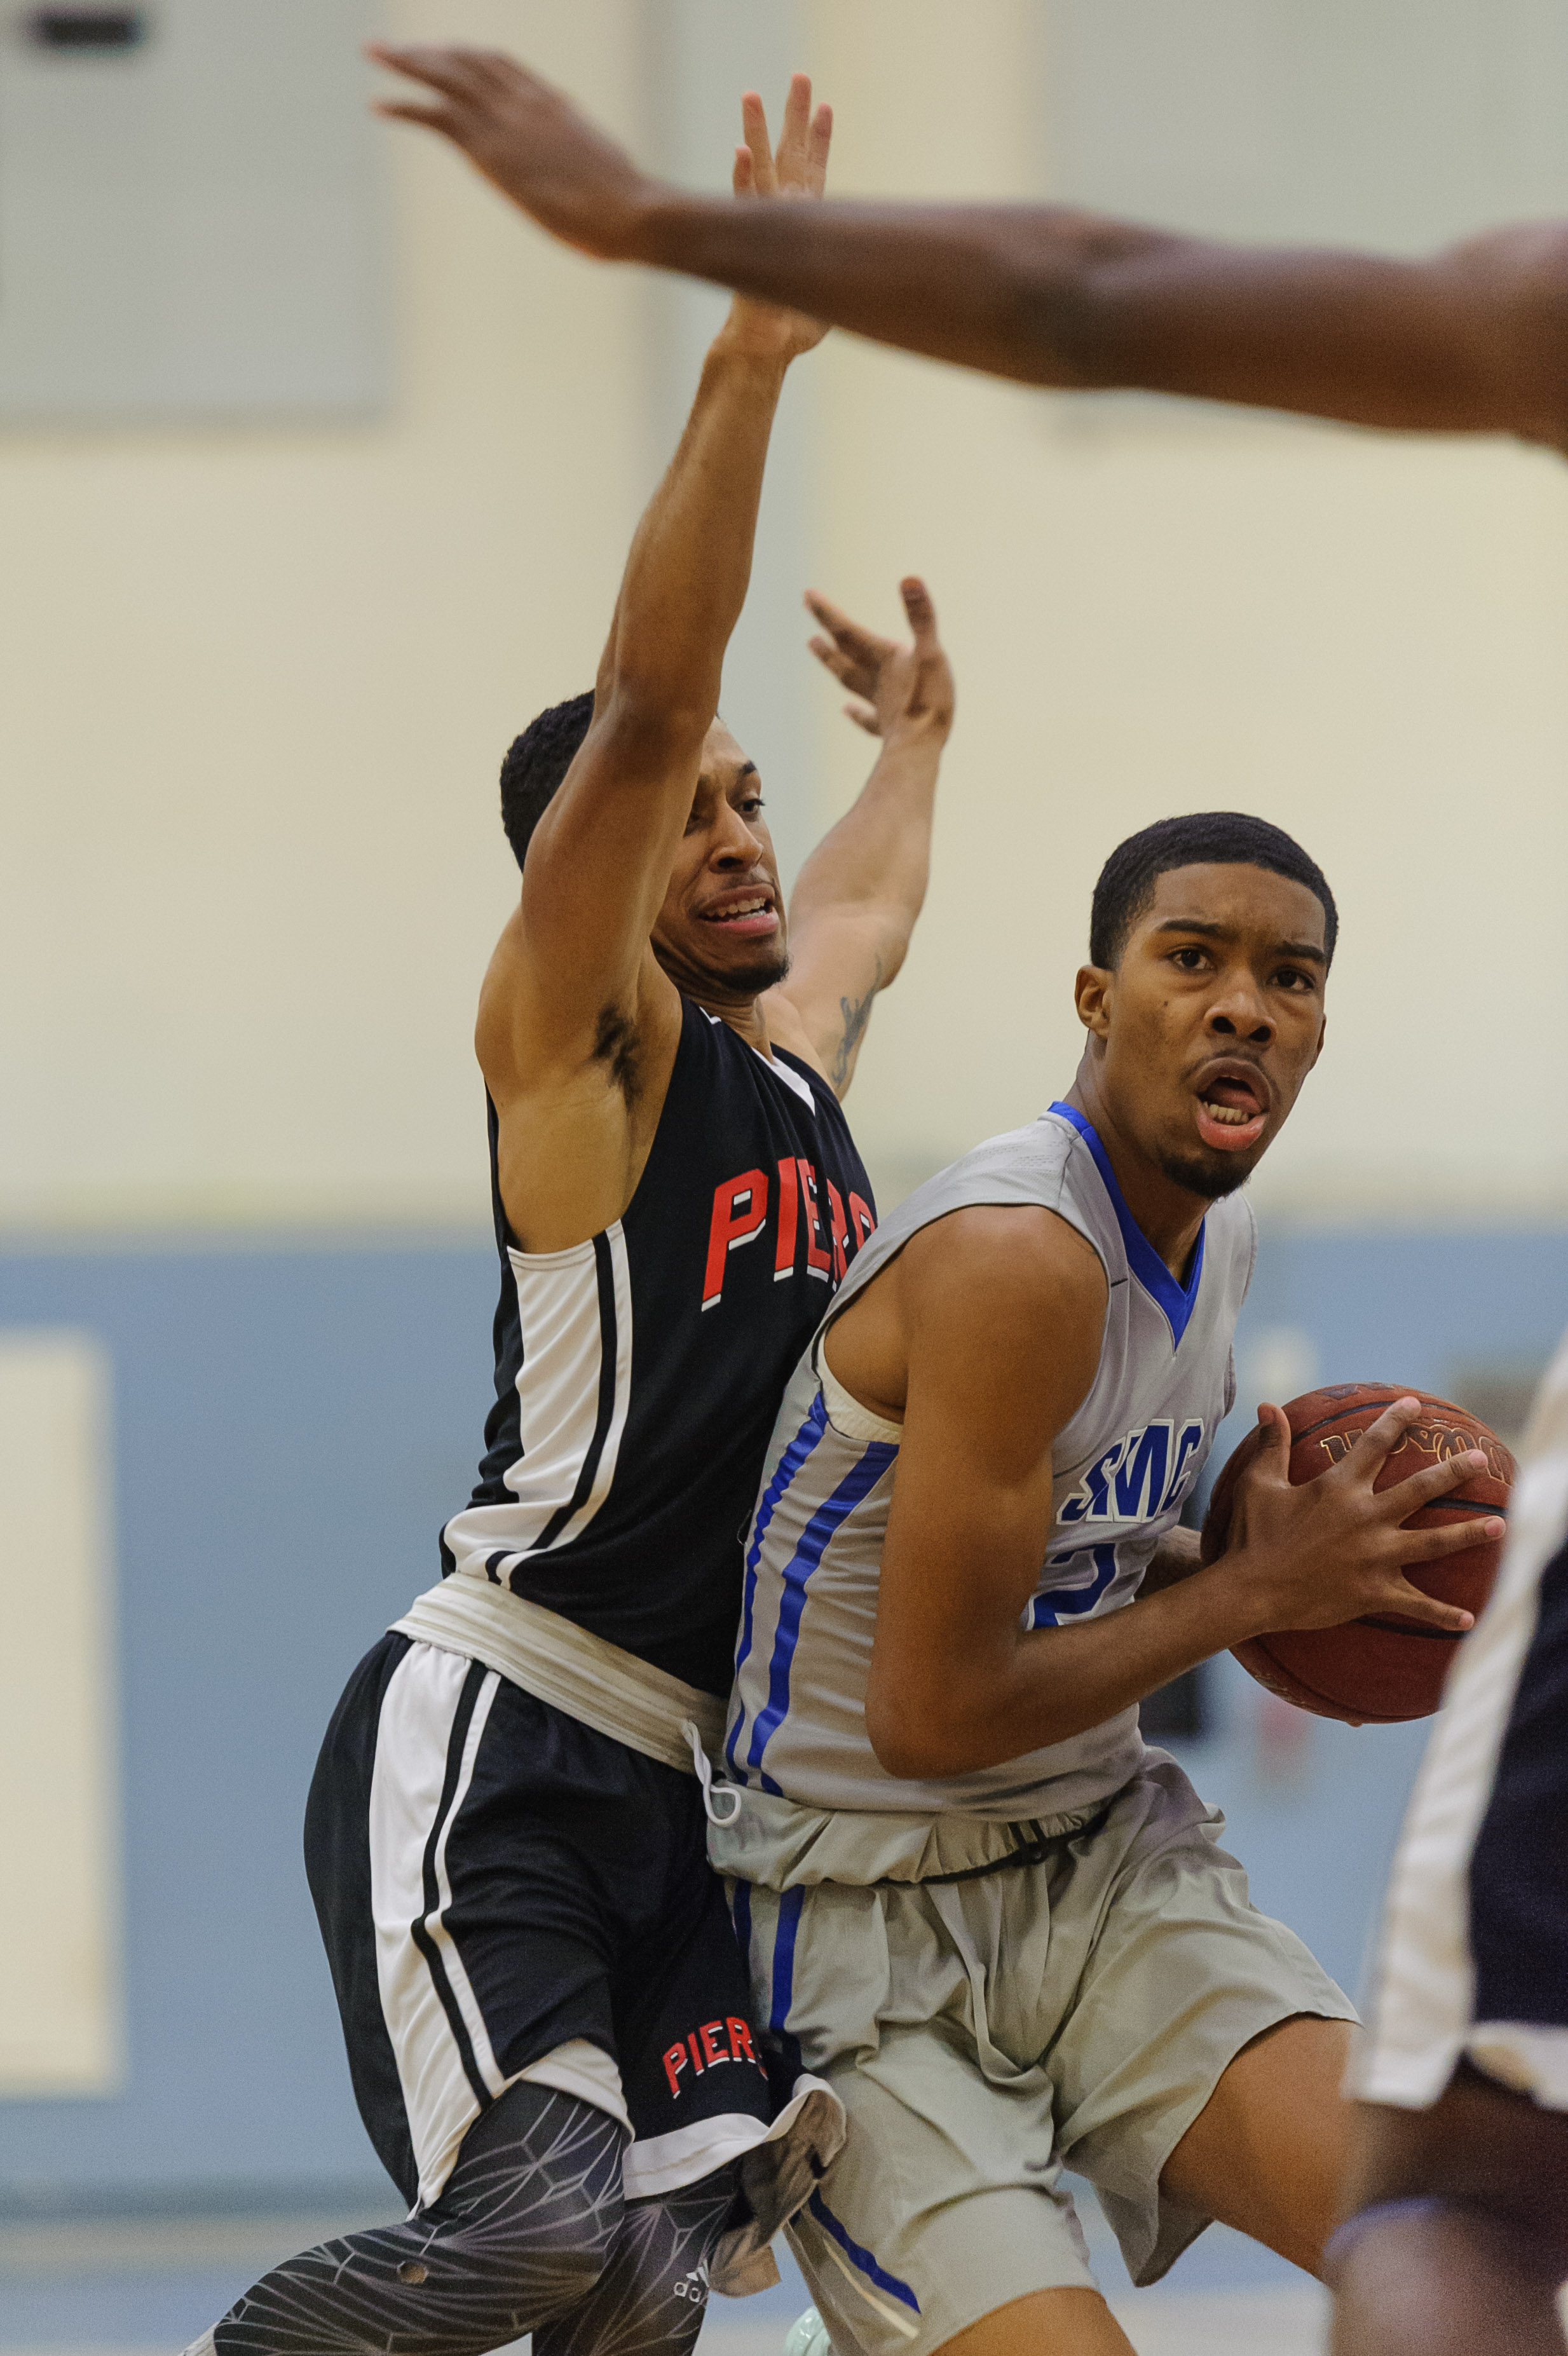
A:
(1473, 340)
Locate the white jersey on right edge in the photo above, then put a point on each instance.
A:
(1121, 1469)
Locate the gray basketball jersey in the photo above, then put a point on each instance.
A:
(1121, 1471)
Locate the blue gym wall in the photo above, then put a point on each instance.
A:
(292, 1424)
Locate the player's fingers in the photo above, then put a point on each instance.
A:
(821, 141)
(457, 73)
(1274, 1425)
(434, 118)
(742, 179)
(856, 677)
(852, 636)
(753, 130)
(1403, 1497)
(864, 716)
(795, 133)
(921, 612)
(842, 667)
(1410, 1603)
(1450, 1537)
(1372, 1447)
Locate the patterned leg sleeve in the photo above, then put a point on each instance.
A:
(650, 2297)
(527, 2221)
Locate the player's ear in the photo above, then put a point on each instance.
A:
(1091, 996)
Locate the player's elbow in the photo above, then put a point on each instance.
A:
(902, 1748)
(645, 723)
(918, 1733)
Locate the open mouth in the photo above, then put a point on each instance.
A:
(752, 916)
(1232, 1109)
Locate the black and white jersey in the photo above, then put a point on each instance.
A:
(638, 1374)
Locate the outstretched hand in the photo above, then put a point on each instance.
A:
(895, 688)
(1334, 1550)
(796, 168)
(528, 138)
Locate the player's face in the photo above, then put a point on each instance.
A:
(720, 935)
(1204, 1032)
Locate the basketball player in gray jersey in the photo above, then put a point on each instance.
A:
(974, 1900)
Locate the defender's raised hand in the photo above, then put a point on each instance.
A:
(525, 136)
(897, 690)
(1333, 1549)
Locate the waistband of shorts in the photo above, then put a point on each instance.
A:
(776, 1843)
(570, 1667)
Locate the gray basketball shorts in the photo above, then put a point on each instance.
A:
(986, 2032)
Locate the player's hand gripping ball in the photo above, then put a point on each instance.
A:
(1381, 1669)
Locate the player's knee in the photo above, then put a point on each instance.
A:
(507, 2277)
(552, 2251)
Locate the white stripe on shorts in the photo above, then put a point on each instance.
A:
(438, 2035)
(1422, 2018)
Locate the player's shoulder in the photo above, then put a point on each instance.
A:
(1016, 1259)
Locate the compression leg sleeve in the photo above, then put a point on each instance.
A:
(529, 2221)
(650, 2297)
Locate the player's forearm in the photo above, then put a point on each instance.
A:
(995, 288)
(1471, 341)
(1046, 1685)
(690, 565)
(878, 856)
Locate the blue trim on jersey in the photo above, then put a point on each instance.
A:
(815, 1538)
(788, 1464)
(1177, 1301)
(1048, 1606)
(859, 2257)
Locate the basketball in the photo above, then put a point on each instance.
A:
(1380, 1670)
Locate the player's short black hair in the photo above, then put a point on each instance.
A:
(1220, 838)
(535, 764)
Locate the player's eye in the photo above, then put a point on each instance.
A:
(1190, 959)
(1291, 976)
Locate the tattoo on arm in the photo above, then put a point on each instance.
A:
(856, 1014)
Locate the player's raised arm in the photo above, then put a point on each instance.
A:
(855, 905)
(577, 956)
(1000, 1315)
(1474, 339)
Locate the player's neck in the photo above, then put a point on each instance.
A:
(1169, 1215)
(744, 1017)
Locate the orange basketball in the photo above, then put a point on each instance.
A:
(1377, 1669)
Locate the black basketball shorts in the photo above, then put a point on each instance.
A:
(506, 1893)
(1474, 1960)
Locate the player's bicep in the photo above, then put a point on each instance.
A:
(1005, 1309)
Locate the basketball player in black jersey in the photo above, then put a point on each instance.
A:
(1459, 2202)
(547, 2016)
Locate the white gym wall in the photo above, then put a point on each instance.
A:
(255, 680)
